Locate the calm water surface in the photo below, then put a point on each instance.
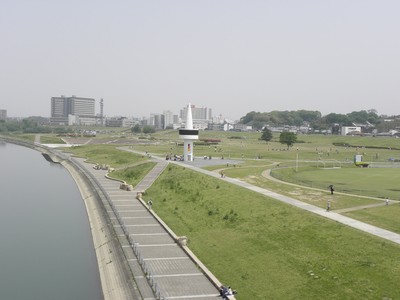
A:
(46, 248)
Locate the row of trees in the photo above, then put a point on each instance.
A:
(32, 125)
(287, 138)
(314, 118)
(27, 125)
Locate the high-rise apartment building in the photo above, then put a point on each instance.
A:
(198, 113)
(3, 114)
(72, 110)
(201, 116)
(169, 119)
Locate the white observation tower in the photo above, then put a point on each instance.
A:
(188, 134)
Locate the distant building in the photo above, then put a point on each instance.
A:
(198, 113)
(72, 111)
(3, 114)
(120, 122)
(242, 127)
(349, 130)
(216, 127)
(170, 120)
(201, 116)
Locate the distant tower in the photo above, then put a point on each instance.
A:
(101, 112)
(188, 135)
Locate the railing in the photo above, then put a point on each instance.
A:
(132, 243)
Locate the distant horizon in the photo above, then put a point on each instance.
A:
(233, 56)
(177, 113)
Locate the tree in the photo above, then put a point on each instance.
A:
(136, 129)
(288, 138)
(149, 129)
(266, 134)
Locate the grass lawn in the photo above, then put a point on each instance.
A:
(133, 175)
(106, 154)
(269, 250)
(373, 182)
(386, 217)
(48, 139)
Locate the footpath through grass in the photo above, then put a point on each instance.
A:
(269, 250)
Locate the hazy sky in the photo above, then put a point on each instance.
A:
(147, 56)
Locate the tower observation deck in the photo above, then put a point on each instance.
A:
(188, 134)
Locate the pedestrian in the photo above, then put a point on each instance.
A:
(331, 189)
(328, 205)
(387, 201)
(149, 204)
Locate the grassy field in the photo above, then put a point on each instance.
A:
(386, 217)
(313, 196)
(133, 175)
(106, 154)
(51, 139)
(363, 181)
(268, 250)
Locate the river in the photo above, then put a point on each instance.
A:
(46, 247)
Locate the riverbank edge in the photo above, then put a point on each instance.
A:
(116, 277)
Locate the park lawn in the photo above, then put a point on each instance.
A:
(25, 136)
(133, 175)
(269, 250)
(253, 175)
(106, 154)
(328, 150)
(50, 139)
(386, 217)
(372, 182)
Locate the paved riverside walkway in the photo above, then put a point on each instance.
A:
(160, 267)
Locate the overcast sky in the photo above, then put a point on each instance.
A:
(147, 56)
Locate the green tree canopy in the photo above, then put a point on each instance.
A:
(136, 129)
(266, 134)
(148, 129)
(288, 138)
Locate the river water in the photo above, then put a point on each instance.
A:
(46, 247)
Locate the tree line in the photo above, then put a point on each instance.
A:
(315, 120)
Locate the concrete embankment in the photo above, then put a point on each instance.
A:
(115, 275)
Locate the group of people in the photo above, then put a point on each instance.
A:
(225, 292)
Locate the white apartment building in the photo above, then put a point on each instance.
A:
(72, 110)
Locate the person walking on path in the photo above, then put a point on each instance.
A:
(331, 189)
(387, 201)
(149, 204)
(328, 205)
